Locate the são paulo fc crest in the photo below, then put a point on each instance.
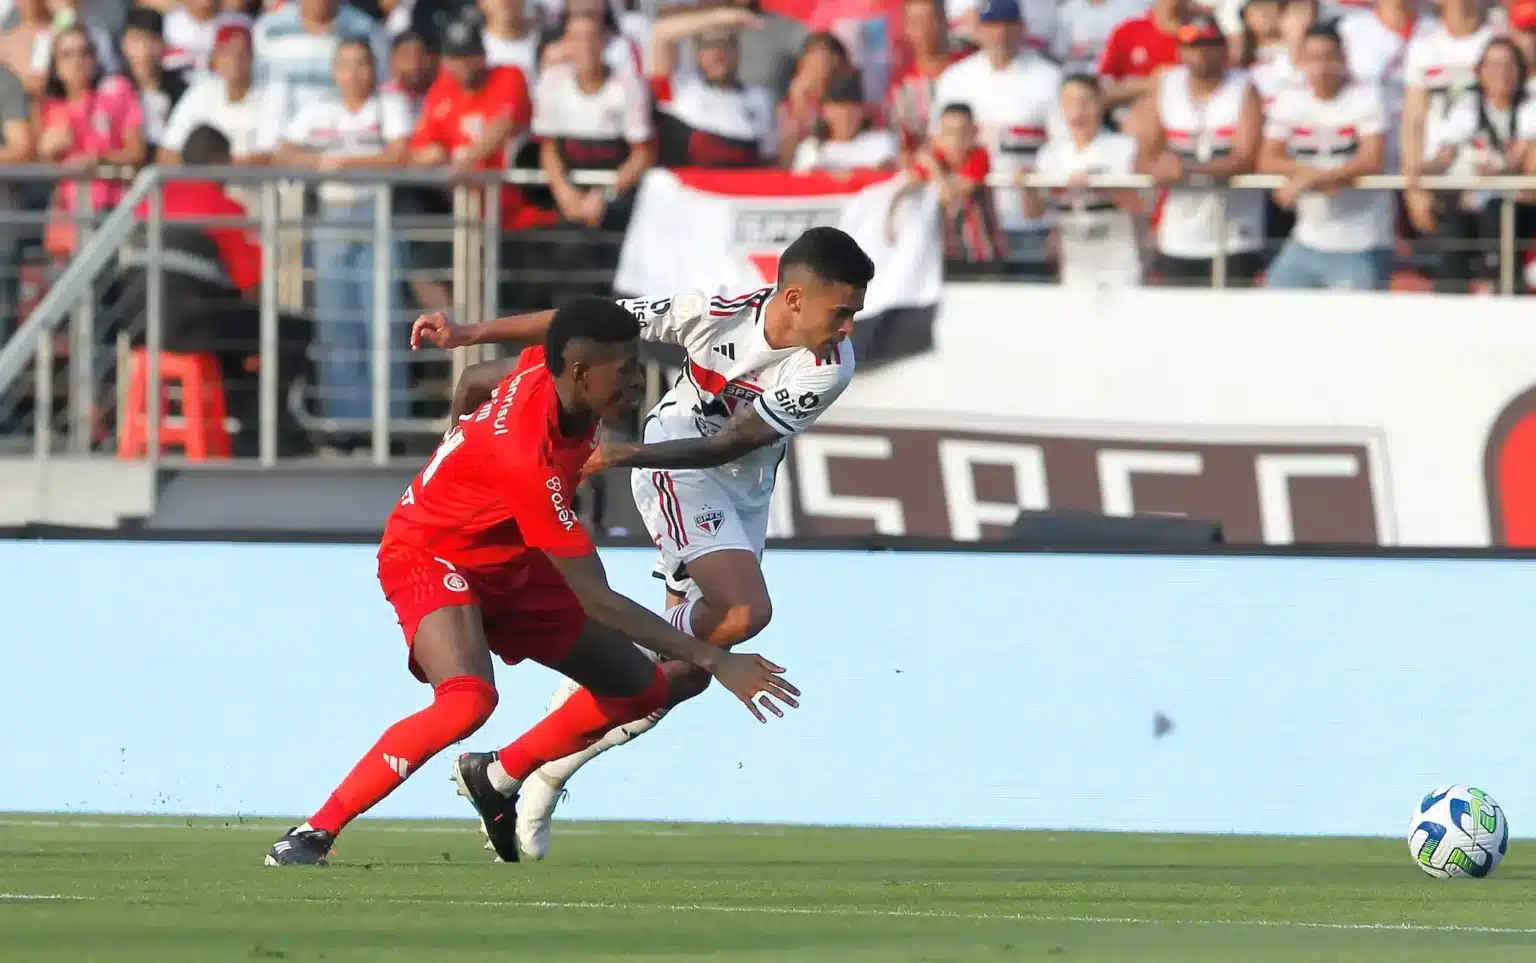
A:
(709, 520)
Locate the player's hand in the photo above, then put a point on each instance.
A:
(755, 681)
(435, 329)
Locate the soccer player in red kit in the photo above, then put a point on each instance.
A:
(484, 555)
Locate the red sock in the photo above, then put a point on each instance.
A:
(459, 707)
(580, 721)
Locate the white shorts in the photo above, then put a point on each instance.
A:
(690, 514)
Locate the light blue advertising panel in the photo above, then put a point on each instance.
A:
(1032, 691)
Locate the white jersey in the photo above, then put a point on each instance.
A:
(730, 364)
(1446, 67)
(1327, 134)
(1192, 225)
(1098, 239)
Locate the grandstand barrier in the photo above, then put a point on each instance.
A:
(70, 317)
(1200, 694)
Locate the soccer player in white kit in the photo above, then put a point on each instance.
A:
(762, 367)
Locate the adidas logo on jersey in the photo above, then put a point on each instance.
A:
(401, 767)
(728, 349)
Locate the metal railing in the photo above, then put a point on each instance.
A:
(476, 271)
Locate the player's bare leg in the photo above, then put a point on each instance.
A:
(619, 684)
(451, 651)
(732, 606)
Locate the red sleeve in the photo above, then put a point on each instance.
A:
(661, 89)
(1112, 61)
(427, 129)
(977, 166)
(543, 500)
(240, 255)
(511, 89)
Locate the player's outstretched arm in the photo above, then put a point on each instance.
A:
(743, 434)
(438, 331)
(751, 678)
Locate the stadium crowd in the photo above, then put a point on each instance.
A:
(978, 92)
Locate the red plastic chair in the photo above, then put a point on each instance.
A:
(200, 430)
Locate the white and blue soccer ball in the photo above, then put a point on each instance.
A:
(1458, 832)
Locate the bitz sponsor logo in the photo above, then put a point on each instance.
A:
(969, 485)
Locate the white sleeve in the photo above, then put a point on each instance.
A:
(301, 129)
(546, 111)
(1525, 121)
(794, 405)
(1415, 65)
(42, 52)
(1458, 129)
(187, 114)
(637, 109)
(394, 117)
(271, 118)
(671, 320)
(807, 156)
(761, 107)
(1373, 112)
(1277, 122)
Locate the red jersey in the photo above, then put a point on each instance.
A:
(1136, 48)
(502, 482)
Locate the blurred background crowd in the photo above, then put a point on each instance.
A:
(972, 97)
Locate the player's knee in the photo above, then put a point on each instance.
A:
(471, 700)
(684, 681)
(742, 622)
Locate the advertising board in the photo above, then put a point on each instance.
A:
(1337, 417)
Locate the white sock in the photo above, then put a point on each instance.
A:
(501, 780)
(681, 617)
(560, 771)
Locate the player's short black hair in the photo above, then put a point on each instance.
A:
(962, 110)
(1086, 80)
(598, 320)
(206, 147)
(1325, 29)
(829, 255)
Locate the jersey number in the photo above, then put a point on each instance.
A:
(451, 441)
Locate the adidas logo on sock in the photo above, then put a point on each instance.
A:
(400, 766)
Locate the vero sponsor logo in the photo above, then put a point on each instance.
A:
(557, 499)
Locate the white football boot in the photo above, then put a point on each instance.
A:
(539, 796)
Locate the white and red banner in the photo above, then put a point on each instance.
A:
(723, 232)
(1289, 417)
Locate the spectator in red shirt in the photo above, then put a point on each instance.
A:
(473, 119)
(1138, 48)
(958, 164)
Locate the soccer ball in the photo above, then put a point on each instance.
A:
(1458, 831)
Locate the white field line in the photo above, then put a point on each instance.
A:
(856, 912)
(848, 913)
(267, 824)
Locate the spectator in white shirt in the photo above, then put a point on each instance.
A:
(1439, 69)
(1321, 138)
(247, 114)
(708, 117)
(511, 36)
(1259, 37)
(1012, 92)
(354, 129)
(1097, 240)
(1281, 70)
(1488, 133)
(845, 139)
(189, 30)
(589, 116)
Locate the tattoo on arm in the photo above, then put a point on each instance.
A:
(745, 433)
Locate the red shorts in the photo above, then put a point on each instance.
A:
(527, 611)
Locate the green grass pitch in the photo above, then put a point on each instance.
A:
(82, 889)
